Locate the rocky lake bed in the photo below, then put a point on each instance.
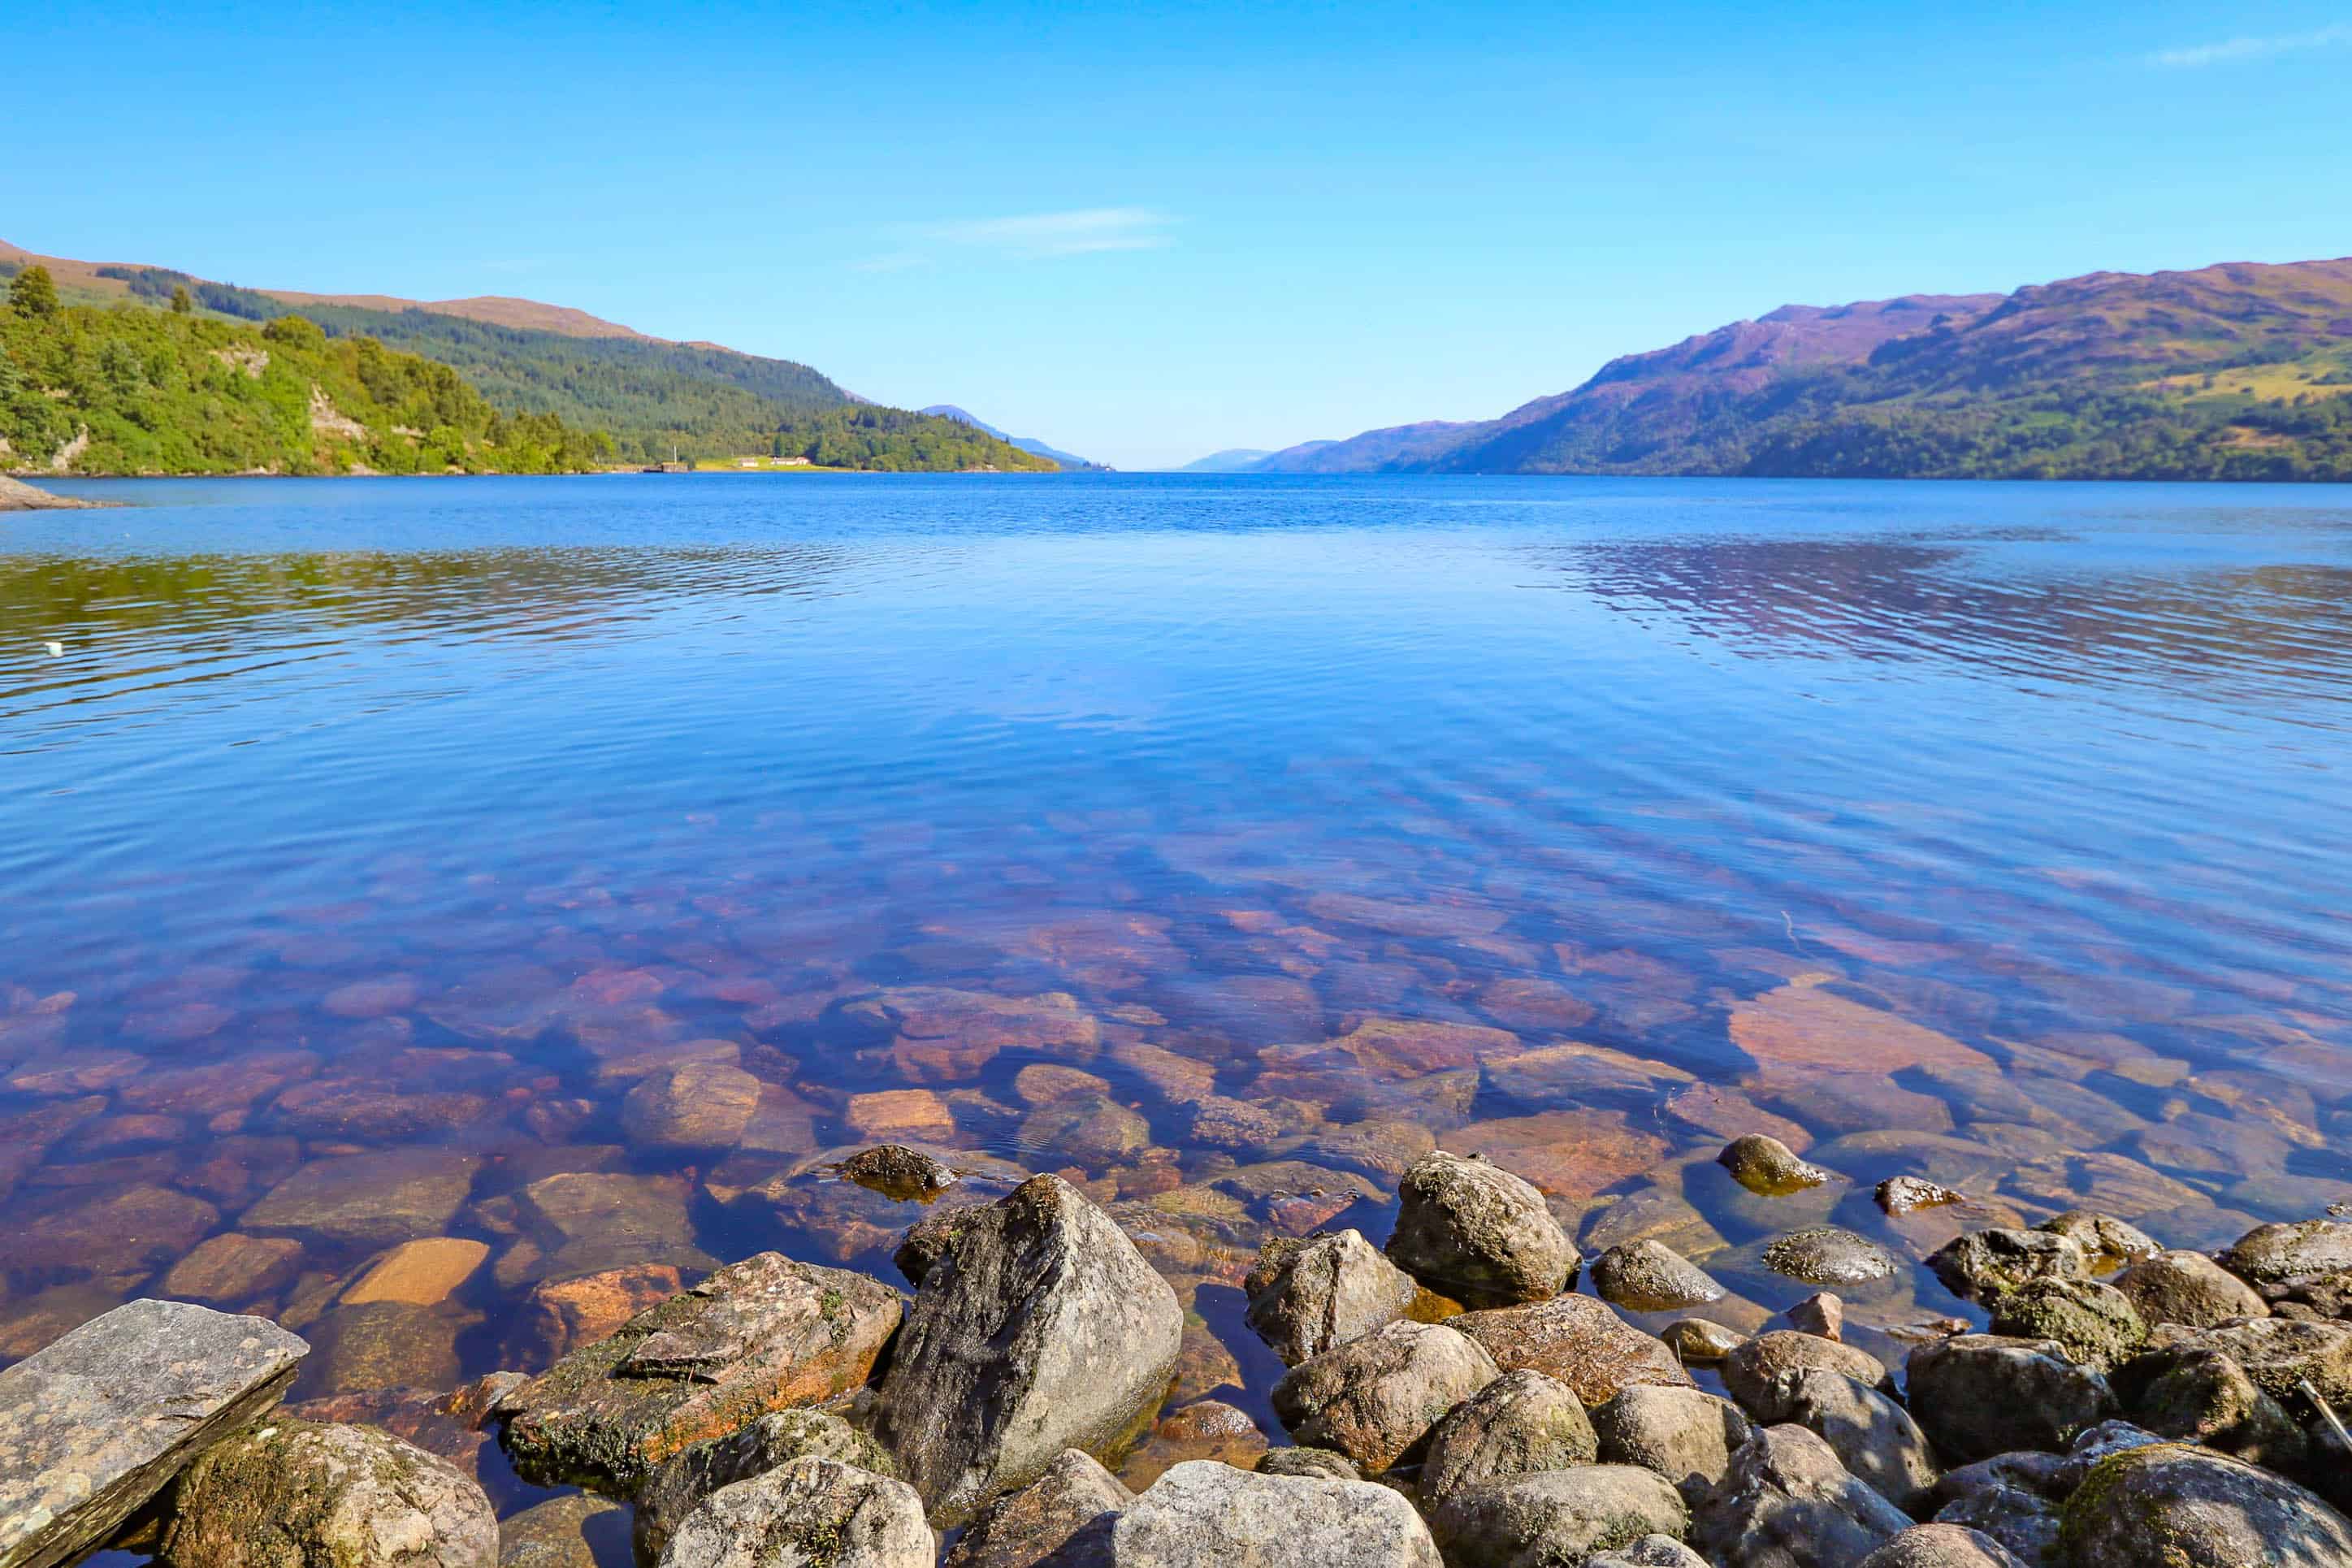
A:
(1158, 1021)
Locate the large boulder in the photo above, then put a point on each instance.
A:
(1787, 1502)
(2096, 1324)
(2276, 1259)
(2188, 1288)
(1984, 1264)
(1876, 1437)
(293, 1494)
(1480, 1235)
(2173, 1505)
(807, 1513)
(1205, 1514)
(1521, 1422)
(1753, 1369)
(1942, 1546)
(1686, 1435)
(1375, 1399)
(764, 1334)
(1558, 1516)
(1024, 1527)
(1040, 1328)
(96, 1423)
(2204, 1396)
(1577, 1340)
(1307, 1297)
(684, 1479)
(1981, 1395)
(2280, 1352)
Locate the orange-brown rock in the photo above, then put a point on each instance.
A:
(233, 1268)
(1534, 1006)
(1577, 1340)
(1568, 1153)
(420, 1273)
(764, 1334)
(1805, 1024)
(945, 1035)
(559, 1316)
(899, 1113)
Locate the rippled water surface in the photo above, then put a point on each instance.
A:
(560, 868)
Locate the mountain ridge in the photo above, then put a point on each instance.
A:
(1030, 444)
(2239, 369)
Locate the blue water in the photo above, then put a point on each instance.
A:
(2026, 765)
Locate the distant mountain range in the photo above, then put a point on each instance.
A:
(2237, 371)
(1232, 460)
(651, 394)
(1026, 443)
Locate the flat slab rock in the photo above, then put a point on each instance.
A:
(94, 1424)
(764, 1334)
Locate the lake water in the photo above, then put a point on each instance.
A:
(563, 868)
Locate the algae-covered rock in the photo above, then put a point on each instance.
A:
(764, 1334)
(2171, 1506)
(2095, 1323)
(806, 1513)
(693, 1473)
(290, 1494)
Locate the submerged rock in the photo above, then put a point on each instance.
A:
(807, 1511)
(2172, 1504)
(289, 1494)
(377, 1199)
(1204, 1514)
(1026, 1527)
(896, 1171)
(1376, 1398)
(687, 1477)
(1825, 1255)
(1521, 1422)
(1577, 1340)
(1305, 1298)
(1908, 1194)
(98, 1422)
(1041, 1329)
(1479, 1235)
(1767, 1167)
(764, 1334)
(1559, 1516)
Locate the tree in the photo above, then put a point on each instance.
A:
(34, 292)
(181, 304)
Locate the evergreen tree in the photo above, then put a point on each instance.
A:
(34, 292)
(181, 304)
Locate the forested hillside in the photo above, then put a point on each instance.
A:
(128, 390)
(2237, 372)
(650, 397)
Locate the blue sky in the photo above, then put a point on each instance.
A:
(1145, 235)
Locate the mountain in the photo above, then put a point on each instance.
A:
(1232, 460)
(1026, 443)
(2239, 371)
(652, 395)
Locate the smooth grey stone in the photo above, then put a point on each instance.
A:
(1686, 1435)
(1205, 1514)
(1876, 1437)
(1480, 1235)
(1787, 1502)
(1520, 1423)
(1559, 1516)
(95, 1423)
(1307, 1297)
(808, 1511)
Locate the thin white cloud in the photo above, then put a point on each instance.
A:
(2231, 49)
(1030, 237)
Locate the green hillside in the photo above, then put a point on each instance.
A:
(128, 390)
(2236, 372)
(648, 396)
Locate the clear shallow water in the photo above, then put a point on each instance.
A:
(1996, 831)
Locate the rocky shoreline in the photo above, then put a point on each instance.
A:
(17, 496)
(1450, 1400)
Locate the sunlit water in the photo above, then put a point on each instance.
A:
(1994, 832)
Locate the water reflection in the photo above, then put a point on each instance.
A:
(446, 946)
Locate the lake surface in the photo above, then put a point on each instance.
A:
(563, 867)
